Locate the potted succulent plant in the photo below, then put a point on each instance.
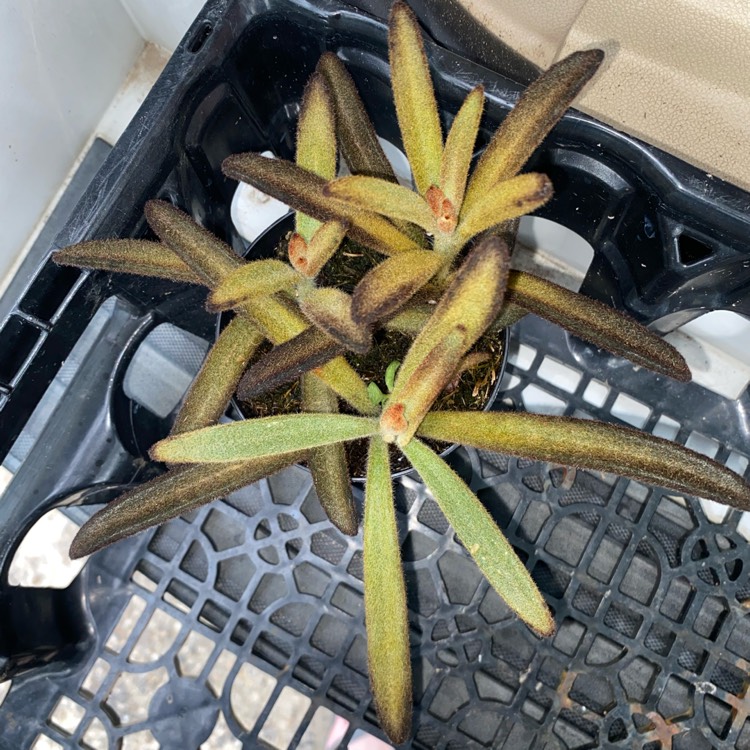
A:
(443, 279)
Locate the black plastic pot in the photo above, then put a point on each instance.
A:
(650, 598)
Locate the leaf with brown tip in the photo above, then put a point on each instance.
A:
(359, 141)
(594, 321)
(267, 436)
(310, 257)
(459, 148)
(330, 310)
(506, 200)
(141, 257)
(592, 445)
(482, 538)
(413, 94)
(259, 278)
(467, 307)
(386, 620)
(303, 191)
(388, 198)
(206, 254)
(210, 393)
(391, 284)
(178, 491)
(327, 464)
(316, 142)
(288, 361)
(537, 111)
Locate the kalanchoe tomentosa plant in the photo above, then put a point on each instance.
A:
(444, 243)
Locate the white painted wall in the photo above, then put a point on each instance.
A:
(61, 62)
(163, 22)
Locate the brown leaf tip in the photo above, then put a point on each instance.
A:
(442, 209)
(393, 422)
(298, 252)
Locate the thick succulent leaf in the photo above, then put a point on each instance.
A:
(506, 200)
(178, 491)
(258, 278)
(413, 94)
(357, 136)
(469, 304)
(459, 148)
(286, 362)
(316, 141)
(212, 389)
(303, 191)
(206, 254)
(327, 464)
(597, 323)
(482, 538)
(142, 257)
(542, 104)
(330, 310)
(411, 320)
(386, 620)
(510, 313)
(392, 283)
(267, 436)
(346, 382)
(388, 198)
(592, 445)
(309, 257)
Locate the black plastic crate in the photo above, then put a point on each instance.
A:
(649, 596)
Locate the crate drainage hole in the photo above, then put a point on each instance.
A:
(715, 347)
(41, 560)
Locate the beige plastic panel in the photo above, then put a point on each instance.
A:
(677, 72)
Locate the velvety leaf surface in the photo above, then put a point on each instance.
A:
(482, 538)
(591, 445)
(385, 600)
(288, 361)
(392, 283)
(506, 200)
(178, 491)
(312, 255)
(259, 278)
(327, 464)
(330, 310)
(597, 323)
(416, 107)
(210, 393)
(142, 257)
(268, 436)
(459, 147)
(540, 107)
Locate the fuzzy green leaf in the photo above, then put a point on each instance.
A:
(392, 283)
(459, 148)
(597, 323)
(411, 320)
(178, 491)
(316, 141)
(309, 257)
(267, 436)
(212, 389)
(206, 254)
(327, 464)
(386, 619)
(506, 200)
(592, 445)
(142, 257)
(469, 304)
(359, 141)
(482, 538)
(388, 198)
(258, 278)
(330, 310)
(286, 362)
(540, 107)
(413, 94)
(303, 191)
